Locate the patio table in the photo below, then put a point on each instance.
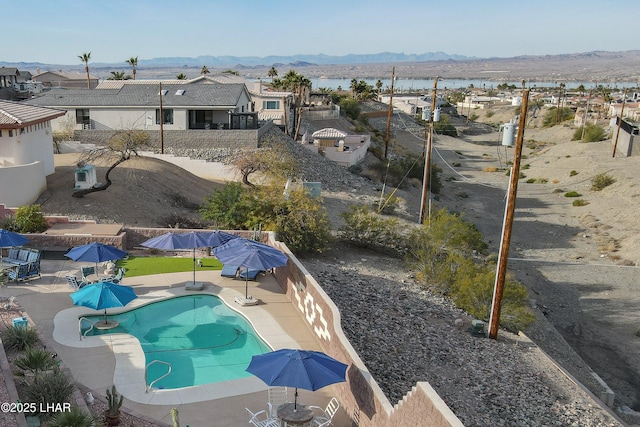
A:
(298, 416)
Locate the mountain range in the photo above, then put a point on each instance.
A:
(252, 61)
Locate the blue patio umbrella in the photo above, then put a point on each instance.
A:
(250, 255)
(103, 295)
(9, 239)
(306, 369)
(191, 240)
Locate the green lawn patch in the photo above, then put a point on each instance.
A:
(143, 266)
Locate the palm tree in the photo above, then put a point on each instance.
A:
(134, 63)
(181, 76)
(272, 72)
(204, 70)
(117, 75)
(85, 57)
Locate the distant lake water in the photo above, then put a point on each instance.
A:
(421, 85)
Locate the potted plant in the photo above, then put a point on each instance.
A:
(114, 402)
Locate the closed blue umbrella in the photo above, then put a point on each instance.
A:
(103, 295)
(250, 255)
(306, 369)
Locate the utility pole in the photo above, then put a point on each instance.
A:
(161, 123)
(427, 154)
(386, 139)
(503, 257)
(624, 101)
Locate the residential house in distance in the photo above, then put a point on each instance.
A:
(66, 79)
(270, 105)
(338, 146)
(182, 117)
(26, 151)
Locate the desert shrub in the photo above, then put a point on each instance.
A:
(521, 175)
(387, 206)
(30, 219)
(572, 194)
(300, 221)
(555, 116)
(473, 117)
(525, 166)
(49, 388)
(490, 113)
(531, 181)
(20, 338)
(224, 208)
(592, 133)
(473, 292)
(601, 181)
(75, 417)
(350, 107)
(9, 223)
(35, 360)
(580, 202)
(573, 173)
(490, 169)
(444, 126)
(365, 228)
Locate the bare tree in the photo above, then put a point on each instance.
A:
(275, 162)
(119, 149)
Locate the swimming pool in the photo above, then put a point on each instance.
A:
(203, 340)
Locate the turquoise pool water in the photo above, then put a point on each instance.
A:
(203, 339)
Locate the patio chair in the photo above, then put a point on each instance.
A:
(87, 271)
(325, 416)
(262, 419)
(74, 284)
(277, 397)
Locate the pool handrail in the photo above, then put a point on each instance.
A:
(146, 374)
(80, 319)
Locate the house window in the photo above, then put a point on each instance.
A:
(271, 105)
(82, 116)
(81, 176)
(167, 114)
(0, 133)
(10, 132)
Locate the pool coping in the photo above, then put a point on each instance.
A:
(130, 360)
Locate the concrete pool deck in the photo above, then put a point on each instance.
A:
(92, 361)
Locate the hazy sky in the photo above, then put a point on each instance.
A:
(58, 31)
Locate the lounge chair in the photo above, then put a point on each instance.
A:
(229, 271)
(325, 416)
(118, 276)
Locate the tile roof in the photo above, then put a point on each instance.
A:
(144, 95)
(14, 115)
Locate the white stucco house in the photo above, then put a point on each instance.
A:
(26, 151)
(139, 104)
